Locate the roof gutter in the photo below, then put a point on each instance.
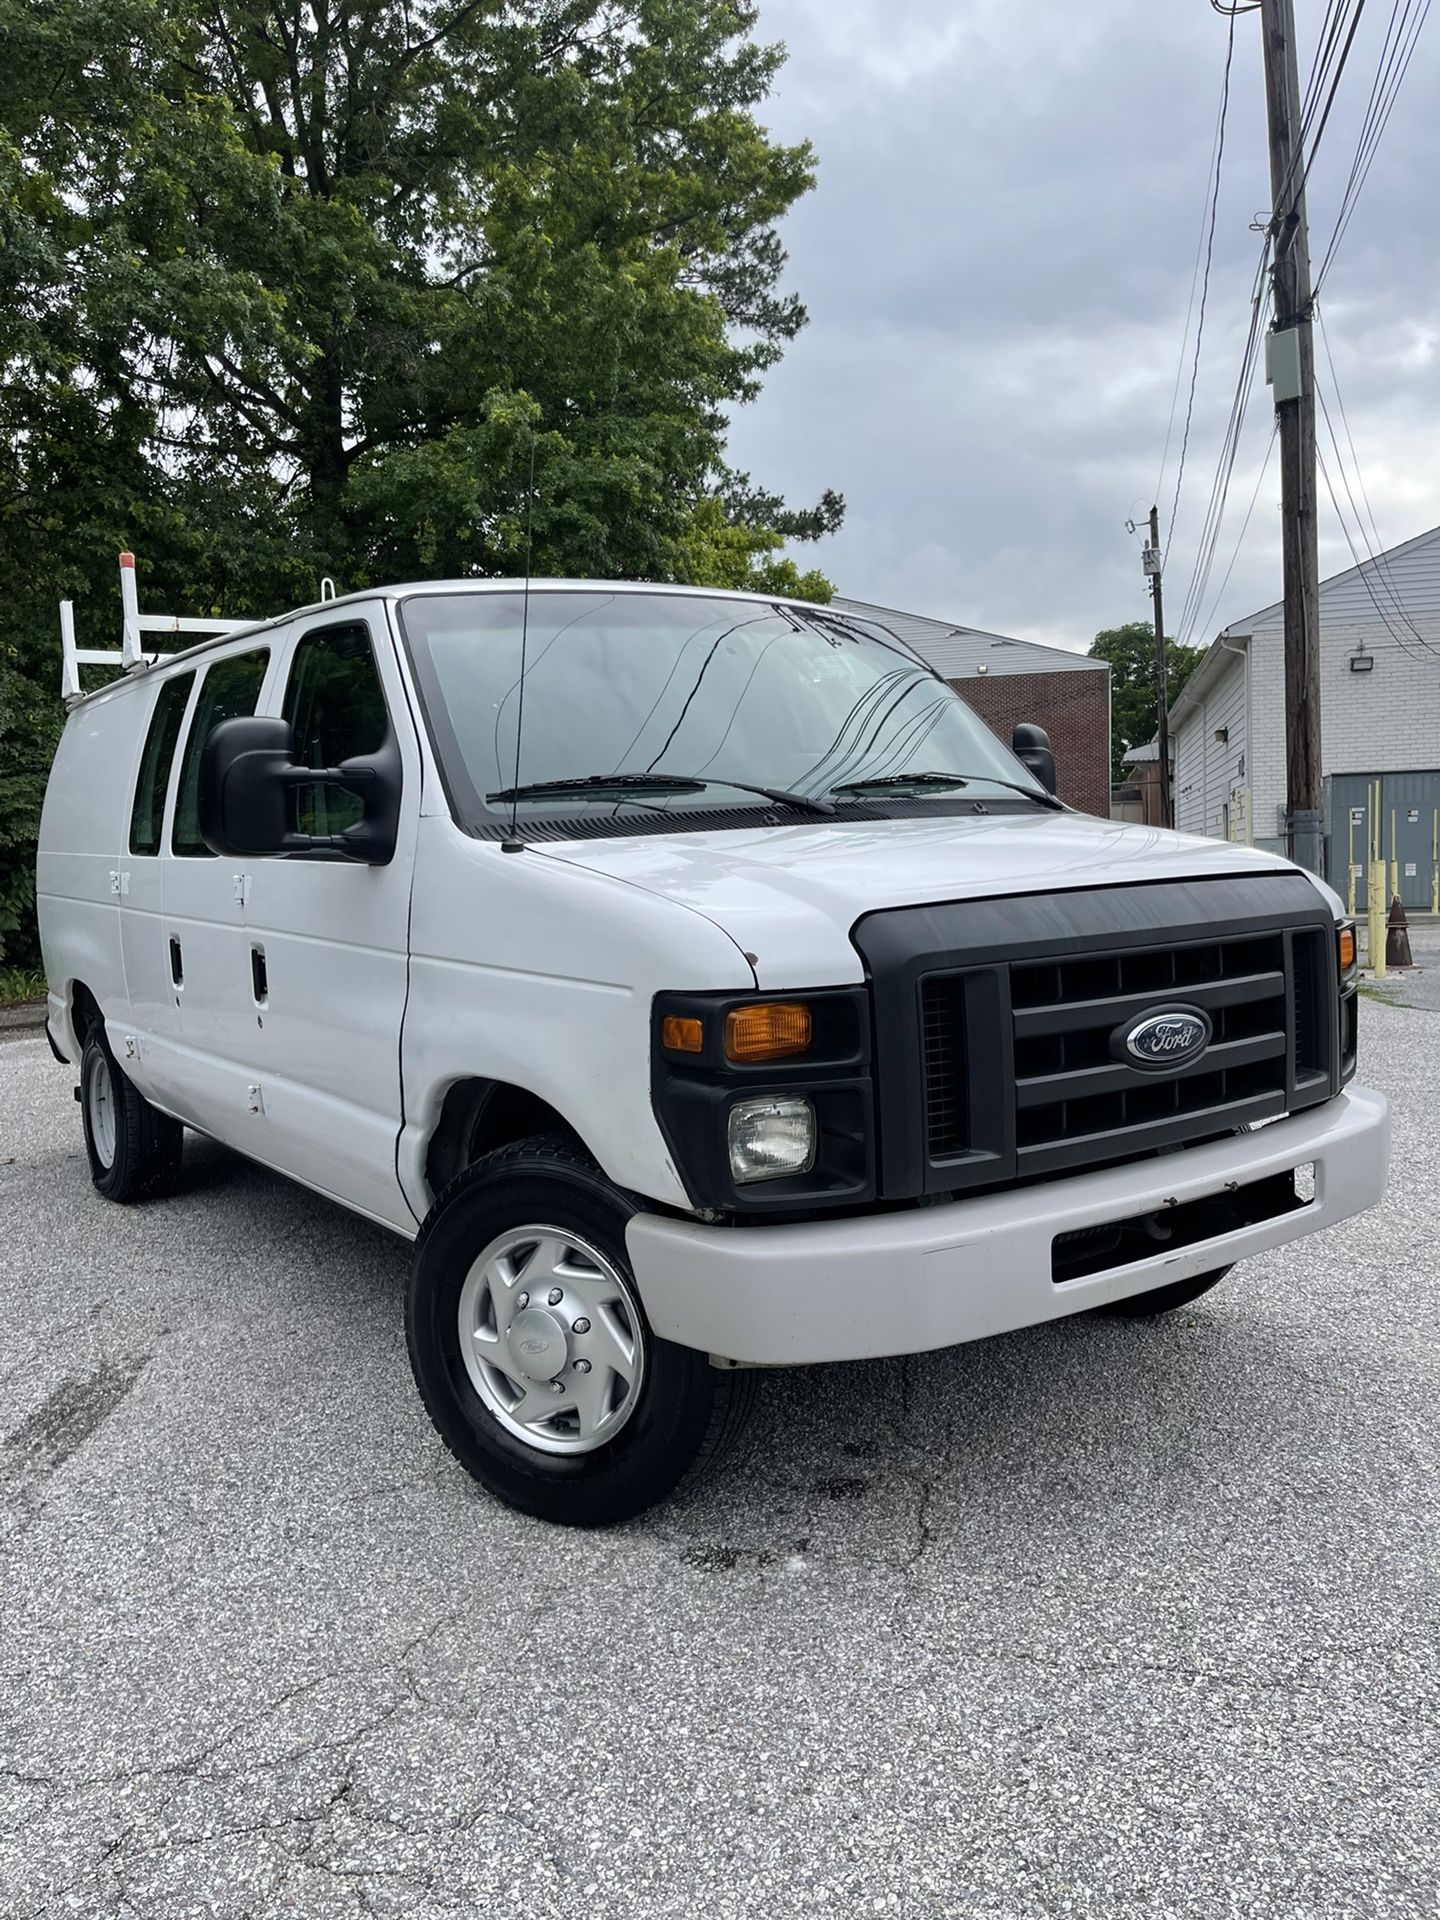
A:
(1205, 672)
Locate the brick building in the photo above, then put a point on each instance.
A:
(1007, 681)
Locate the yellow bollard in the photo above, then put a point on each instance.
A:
(1394, 863)
(1376, 919)
(1375, 886)
(1350, 865)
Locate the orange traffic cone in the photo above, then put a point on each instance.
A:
(1397, 937)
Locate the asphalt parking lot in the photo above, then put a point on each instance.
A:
(1099, 1619)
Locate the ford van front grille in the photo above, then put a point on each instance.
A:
(1075, 1099)
(1060, 1031)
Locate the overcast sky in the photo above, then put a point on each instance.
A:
(997, 261)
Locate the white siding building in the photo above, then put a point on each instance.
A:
(1380, 719)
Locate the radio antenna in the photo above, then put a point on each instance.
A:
(514, 844)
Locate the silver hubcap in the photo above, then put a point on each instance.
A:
(100, 1107)
(550, 1336)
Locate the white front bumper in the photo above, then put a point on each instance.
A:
(905, 1282)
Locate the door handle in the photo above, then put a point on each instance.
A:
(259, 978)
(177, 965)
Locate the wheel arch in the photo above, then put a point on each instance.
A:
(478, 1116)
(82, 1014)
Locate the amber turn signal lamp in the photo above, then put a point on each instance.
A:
(681, 1034)
(770, 1031)
(1347, 948)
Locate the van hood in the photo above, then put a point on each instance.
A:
(790, 895)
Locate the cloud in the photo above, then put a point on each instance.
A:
(997, 262)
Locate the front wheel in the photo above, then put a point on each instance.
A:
(1144, 1306)
(531, 1349)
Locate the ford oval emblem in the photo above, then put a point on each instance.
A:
(1173, 1037)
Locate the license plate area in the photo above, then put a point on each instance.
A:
(1141, 1236)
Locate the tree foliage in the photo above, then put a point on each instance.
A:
(303, 287)
(1130, 651)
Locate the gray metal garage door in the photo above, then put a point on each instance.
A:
(1409, 823)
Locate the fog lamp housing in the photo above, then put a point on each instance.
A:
(771, 1138)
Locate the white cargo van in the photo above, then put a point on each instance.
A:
(714, 993)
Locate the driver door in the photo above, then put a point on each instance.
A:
(327, 938)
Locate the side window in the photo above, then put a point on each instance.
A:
(336, 707)
(148, 813)
(230, 688)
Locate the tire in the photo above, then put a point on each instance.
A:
(1146, 1306)
(133, 1149)
(631, 1415)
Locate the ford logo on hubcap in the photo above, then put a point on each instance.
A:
(1170, 1038)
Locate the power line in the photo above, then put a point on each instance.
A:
(1229, 447)
(1360, 565)
(1203, 626)
(1305, 137)
(1396, 53)
(1332, 27)
(1205, 282)
(1381, 554)
(1378, 560)
(1336, 14)
(1207, 218)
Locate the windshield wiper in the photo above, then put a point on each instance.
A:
(601, 783)
(947, 780)
(806, 802)
(904, 780)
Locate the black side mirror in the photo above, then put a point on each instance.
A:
(248, 773)
(1031, 747)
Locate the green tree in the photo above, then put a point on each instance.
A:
(369, 288)
(1130, 651)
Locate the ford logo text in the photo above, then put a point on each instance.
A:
(1170, 1038)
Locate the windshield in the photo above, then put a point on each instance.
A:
(696, 690)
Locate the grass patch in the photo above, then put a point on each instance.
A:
(18, 984)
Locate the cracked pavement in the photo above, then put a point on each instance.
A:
(1101, 1618)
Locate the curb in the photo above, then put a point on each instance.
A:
(28, 1017)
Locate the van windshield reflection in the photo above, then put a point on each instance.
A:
(662, 701)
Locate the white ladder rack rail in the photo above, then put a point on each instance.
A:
(129, 655)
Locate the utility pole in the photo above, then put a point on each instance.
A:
(1162, 684)
(1291, 359)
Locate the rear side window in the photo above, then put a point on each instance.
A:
(230, 688)
(148, 813)
(336, 707)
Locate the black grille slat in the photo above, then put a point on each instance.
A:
(1046, 1088)
(1065, 1015)
(1121, 1143)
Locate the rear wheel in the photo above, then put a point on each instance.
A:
(133, 1149)
(1145, 1306)
(531, 1349)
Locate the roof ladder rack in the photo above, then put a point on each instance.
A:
(129, 655)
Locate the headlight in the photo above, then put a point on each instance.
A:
(1345, 948)
(769, 1139)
